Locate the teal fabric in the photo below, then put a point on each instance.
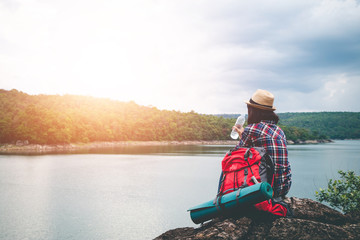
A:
(247, 196)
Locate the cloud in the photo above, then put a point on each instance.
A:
(206, 56)
(338, 92)
(298, 50)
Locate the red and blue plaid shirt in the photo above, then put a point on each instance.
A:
(268, 135)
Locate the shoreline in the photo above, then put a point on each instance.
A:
(299, 142)
(21, 147)
(73, 147)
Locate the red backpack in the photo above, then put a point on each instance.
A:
(243, 167)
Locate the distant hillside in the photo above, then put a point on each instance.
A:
(55, 119)
(334, 125)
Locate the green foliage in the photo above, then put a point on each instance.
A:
(334, 125)
(295, 134)
(318, 125)
(342, 194)
(53, 119)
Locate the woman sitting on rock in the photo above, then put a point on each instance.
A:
(262, 131)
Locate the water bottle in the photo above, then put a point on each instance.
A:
(239, 123)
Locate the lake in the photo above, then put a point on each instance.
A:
(135, 192)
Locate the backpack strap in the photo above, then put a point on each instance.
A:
(238, 194)
(245, 177)
(217, 200)
(221, 181)
(248, 154)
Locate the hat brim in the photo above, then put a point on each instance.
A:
(260, 107)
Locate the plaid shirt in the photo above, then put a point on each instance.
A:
(268, 135)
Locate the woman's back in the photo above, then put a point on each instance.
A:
(270, 136)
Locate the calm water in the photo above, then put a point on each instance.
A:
(124, 194)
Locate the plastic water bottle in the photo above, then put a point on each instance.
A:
(239, 123)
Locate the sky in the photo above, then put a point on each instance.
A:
(206, 56)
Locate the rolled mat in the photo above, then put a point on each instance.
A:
(242, 197)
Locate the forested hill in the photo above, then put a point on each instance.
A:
(55, 119)
(50, 119)
(334, 125)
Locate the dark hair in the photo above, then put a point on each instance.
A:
(255, 115)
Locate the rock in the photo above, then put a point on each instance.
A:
(354, 216)
(311, 220)
(315, 211)
(287, 228)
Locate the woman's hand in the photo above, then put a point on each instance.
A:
(238, 129)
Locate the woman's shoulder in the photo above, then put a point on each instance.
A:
(264, 128)
(260, 125)
(273, 130)
(255, 129)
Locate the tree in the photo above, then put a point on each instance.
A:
(54, 119)
(342, 194)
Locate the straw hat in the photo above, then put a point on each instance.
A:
(262, 99)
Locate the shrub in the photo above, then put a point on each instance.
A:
(342, 194)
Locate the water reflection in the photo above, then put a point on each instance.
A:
(134, 192)
(182, 150)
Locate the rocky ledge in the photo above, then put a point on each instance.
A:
(311, 220)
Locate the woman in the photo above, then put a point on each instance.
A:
(262, 131)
